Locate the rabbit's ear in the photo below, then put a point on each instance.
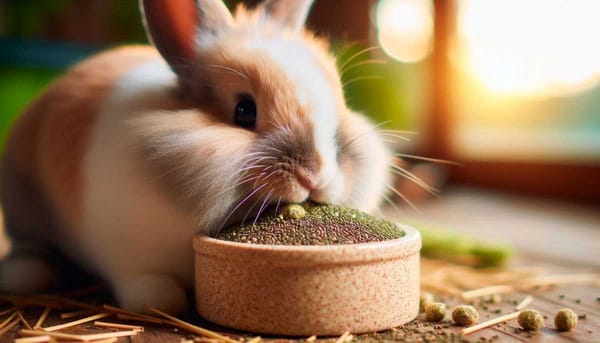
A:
(213, 16)
(291, 13)
(173, 26)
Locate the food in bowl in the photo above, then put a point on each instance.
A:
(317, 225)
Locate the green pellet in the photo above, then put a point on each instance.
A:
(293, 211)
(425, 299)
(530, 320)
(435, 312)
(565, 320)
(465, 315)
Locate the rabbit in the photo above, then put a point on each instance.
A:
(136, 150)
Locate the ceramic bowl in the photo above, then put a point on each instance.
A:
(308, 290)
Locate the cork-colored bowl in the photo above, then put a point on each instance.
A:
(308, 290)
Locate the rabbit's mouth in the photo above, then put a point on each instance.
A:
(285, 189)
(282, 180)
(293, 189)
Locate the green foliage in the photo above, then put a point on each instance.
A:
(386, 91)
(18, 86)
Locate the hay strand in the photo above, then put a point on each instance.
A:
(193, 328)
(42, 319)
(76, 322)
(490, 322)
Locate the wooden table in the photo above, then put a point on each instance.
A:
(561, 238)
(557, 236)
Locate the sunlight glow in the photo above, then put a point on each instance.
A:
(405, 28)
(533, 47)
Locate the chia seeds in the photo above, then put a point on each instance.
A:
(320, 225)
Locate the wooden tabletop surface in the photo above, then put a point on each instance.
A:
(583, 299)
(559, 238)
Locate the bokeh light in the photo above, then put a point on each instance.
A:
(405, 29)
(532, 48)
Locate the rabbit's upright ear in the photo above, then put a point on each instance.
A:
(290, 13)
(174, 26)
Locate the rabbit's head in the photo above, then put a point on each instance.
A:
(272, 122)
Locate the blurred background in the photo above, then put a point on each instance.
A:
(507, 90)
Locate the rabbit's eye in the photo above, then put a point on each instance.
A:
(245, 112)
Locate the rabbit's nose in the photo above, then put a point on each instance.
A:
(306, 178)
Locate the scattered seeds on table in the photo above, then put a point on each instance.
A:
(493, 299)
(435, 312)
(465, 315)
(530, 320)
(426, 299)
(565, 319)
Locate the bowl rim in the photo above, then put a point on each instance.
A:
(407, 245)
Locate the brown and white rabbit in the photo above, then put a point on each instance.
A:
(126, 157)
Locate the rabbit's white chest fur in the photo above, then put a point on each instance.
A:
(126, 217)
